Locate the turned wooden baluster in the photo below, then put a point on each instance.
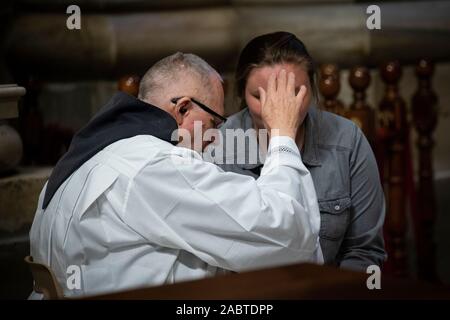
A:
(393, 122)
(129, 84)
(425, 116)
(360, 112)
(329, 87)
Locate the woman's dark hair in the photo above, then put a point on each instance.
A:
(270, 49)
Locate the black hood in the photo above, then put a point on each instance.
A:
(122, 117)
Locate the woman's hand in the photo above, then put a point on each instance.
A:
(281, 109)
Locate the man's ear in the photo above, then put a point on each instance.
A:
(182, 109)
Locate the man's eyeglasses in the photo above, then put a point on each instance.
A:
(201, 105)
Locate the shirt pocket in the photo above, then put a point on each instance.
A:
(334, 217)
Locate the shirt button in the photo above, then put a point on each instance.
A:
(337, 207)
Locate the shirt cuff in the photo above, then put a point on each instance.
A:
(283, 144)
(282, 151)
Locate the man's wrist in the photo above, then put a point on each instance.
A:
(283, 132)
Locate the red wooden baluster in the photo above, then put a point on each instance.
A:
(360, 112)
(425, 116)
(329, 87)
(129, 84)
(393, 123)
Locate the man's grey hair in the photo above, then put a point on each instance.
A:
(169, 69)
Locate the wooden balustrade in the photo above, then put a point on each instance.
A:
(129, 84)
(360, 112)
(389, 132)
(425, 116)
(393, 109)
(329, 87)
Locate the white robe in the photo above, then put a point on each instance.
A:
(142, 212)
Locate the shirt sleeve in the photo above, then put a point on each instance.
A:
(363, 244)
(229, 220)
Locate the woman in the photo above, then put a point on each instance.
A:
(334, 149)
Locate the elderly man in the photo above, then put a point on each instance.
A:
(127, 208)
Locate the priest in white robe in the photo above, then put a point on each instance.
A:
(128, 207)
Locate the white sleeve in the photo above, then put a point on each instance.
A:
(226, 219)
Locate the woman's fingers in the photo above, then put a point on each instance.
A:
(281, 81)
(271, 86)
(291, 84)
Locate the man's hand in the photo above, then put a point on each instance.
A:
(281, 108)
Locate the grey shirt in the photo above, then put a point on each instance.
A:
(346, 180)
